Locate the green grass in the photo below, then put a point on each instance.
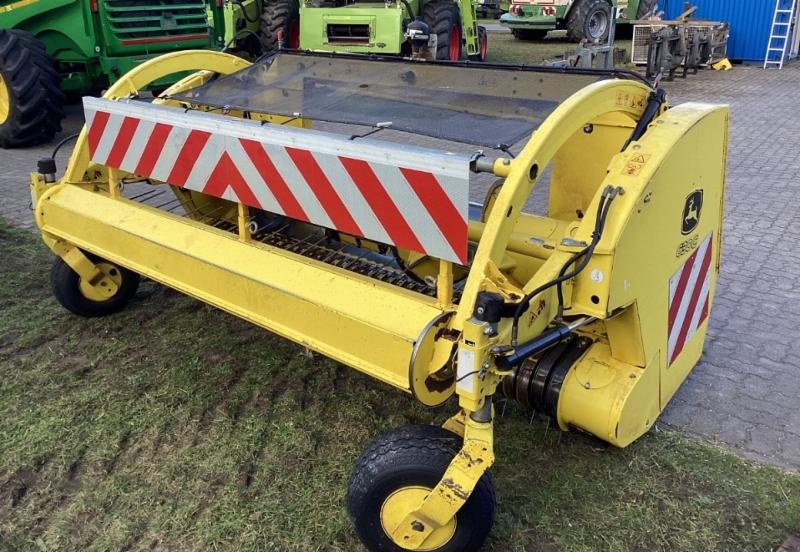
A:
(173, 426)
(504, 48)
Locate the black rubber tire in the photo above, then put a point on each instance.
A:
(414, 455)
(441, 16)
(36, 102)
(280, 15)
(529, 34)
(483, 45)
(66, 289)
(645, 6)
(580, 16)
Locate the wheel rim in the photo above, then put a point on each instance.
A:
(598, 24)
(97, 292)
(397, 506)
(294, 35)
(455, 43)
(5, 104)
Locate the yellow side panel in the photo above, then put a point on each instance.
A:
(366, 324)
(615, 401)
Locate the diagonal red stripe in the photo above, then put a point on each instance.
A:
(273, 179)
(122, 142)
(381, 204)
(187, 157)
(226, 174)
(324, 191)
(96, 130)
(677, 299)
(447, 218)
(687, 320)
(152, 150)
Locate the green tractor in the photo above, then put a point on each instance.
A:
(583, 19)
(364, 26)
(53, 48)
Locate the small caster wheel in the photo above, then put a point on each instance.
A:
(83, 298)
(395, 474)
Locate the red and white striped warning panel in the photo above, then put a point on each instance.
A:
(689, 298)
(413, 198)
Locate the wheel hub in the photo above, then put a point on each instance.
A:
(101, 291)
(5, 104)
(404, 500)
(598, 23)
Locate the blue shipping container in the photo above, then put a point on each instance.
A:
(750, 21)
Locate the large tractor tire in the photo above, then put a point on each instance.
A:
(645, 7)
(31, 100)
(589, 19)
(529, 34)
(444, 19)
(280, 15)
(396, 472)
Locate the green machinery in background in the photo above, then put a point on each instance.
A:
(363, 26)
(49, 48)
(53, 48)
(582, 19)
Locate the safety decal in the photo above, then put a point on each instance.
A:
(688, 298)
(413, 198)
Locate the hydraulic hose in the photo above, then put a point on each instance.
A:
(582, 257)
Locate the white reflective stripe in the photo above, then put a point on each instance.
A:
(138, 143)
(414, 212)
(701, 301)
(106, 142)
(251, 175)
(685, 299)
(352, 198)
(206, 162)
(298, 186)
(169, 153)
(88, 117)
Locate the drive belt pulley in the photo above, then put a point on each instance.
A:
(536, 383)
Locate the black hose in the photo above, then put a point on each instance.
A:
(584, 255)
(62, 142)
(408, 7)
(653, 105)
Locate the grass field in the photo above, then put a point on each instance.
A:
(174, 426)
(504, 48)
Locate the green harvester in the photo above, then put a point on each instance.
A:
(582, 19)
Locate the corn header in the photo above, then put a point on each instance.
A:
(239, 187)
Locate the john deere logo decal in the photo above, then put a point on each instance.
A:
(691, 212)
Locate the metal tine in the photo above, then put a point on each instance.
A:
(314, 244)
(153, 194)
(173, 200)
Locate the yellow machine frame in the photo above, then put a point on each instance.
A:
(615, 389)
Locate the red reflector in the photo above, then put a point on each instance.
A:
(220, 3)
(93, 6)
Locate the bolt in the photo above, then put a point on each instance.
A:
(417, 526)
(480, 310)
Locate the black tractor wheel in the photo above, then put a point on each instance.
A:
(31, 100)
(280, 15)
(444, 19)
(645, 7)
(590, 20)
(396, 472)
(81, 298)
(529, 34)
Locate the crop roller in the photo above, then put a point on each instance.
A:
(326, 198)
